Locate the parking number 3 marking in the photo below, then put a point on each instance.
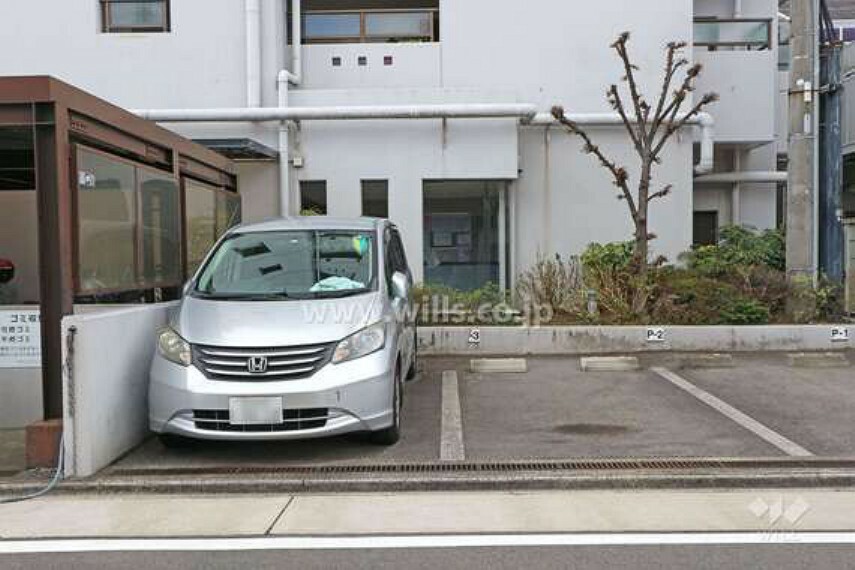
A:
(475, 336)
(656, 335)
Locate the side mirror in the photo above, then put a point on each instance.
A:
(400, 286)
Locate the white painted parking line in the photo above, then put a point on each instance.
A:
(787, 446)
(421, 541)
(451, 440)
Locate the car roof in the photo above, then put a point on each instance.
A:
(311, 223)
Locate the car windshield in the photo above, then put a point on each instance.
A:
(289, 264)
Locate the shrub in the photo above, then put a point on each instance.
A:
(614, 256)
(444, 304)
(739, 248)
(552, 282)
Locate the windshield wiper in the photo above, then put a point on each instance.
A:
(338, 294)
(242, 296)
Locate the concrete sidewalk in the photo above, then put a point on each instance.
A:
(439, 513)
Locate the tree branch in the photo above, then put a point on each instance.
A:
(661, 193)
(618, 172)
(620, 47)
(617, 104)
(675, 126)
(671, 69)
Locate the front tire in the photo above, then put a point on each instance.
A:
(392, 434)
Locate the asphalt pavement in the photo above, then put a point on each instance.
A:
(654, 557)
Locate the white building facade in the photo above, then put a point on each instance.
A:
(477, 199)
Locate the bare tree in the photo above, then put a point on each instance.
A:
(649, 129)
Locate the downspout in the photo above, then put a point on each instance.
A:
(283, 80)
(253, 53)
(736, 192)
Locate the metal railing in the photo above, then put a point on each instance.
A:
(733, 33)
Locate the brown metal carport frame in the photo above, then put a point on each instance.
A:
(61, 116)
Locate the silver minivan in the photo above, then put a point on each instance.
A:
(290, 329)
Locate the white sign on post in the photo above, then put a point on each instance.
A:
(20, 338)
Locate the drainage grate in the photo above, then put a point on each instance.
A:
(498, 467)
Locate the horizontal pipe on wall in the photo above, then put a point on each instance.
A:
(744, 177)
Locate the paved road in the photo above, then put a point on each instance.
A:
(557, 411)
(781, 557)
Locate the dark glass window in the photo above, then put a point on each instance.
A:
(705, 228)
(135, 15)
(313, 197)
(17, 159)
(375, 198)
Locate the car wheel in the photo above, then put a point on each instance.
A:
(391, 434)
(173, 441)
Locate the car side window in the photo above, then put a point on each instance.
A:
(400, 256)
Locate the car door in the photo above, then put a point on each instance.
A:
(397, 262)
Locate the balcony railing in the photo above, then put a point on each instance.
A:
(370, 26)
(734, 34)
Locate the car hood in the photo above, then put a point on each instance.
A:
(274, 323)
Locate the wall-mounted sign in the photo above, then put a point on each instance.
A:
(20, 338)
(656, 334)
(840, 334)
(475, 336)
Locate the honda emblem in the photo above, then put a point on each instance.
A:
(257, 364)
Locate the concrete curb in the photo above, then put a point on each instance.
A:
(573, 340)
(737, 479)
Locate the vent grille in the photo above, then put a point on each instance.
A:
(292, 420)
(281, 363)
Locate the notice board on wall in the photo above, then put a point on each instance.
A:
(20, 338)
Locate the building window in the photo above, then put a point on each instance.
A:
(465, 233)
(371, 26)
(135, 16)
(210, 212)
(733, 33)
(17, 159)
(705, 228)
(375, 198)
(313, 198)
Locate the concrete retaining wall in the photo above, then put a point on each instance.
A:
(105, 387)
(611, 340)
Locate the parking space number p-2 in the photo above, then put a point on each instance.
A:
(656, 335)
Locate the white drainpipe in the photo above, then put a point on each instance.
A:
(366, 112)
(283, 80)
(253, 53)
(744, 177)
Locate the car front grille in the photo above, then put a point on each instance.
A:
(292, 420)
(282, 363)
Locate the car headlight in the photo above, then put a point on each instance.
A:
(173, 348)
(362, 343)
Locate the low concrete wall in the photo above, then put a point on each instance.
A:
(105, 387)
(612, 340)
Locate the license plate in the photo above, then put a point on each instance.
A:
(255, 411)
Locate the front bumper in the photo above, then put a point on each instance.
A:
(355, 395)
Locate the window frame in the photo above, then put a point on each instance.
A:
(363, 186)
(106, 19)
(139, 283)
(364, 37)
